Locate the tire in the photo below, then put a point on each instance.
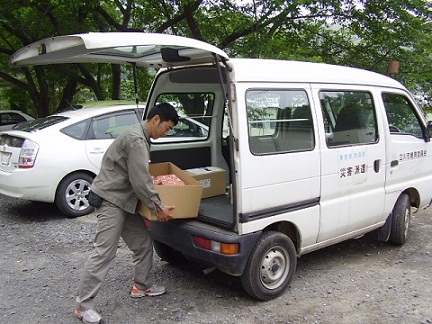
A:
(400, 220)
(270, 267)
(72, 194)
(168, 254)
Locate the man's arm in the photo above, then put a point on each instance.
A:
(140, 178)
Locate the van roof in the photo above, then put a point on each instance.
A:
(264, 70)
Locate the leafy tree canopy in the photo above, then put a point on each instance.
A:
(362, 33)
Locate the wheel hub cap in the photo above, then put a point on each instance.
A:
(76, 195)
(274, 267)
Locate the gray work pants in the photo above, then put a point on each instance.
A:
(113, 223)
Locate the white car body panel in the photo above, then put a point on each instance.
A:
(95, 150)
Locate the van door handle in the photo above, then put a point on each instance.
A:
(394, 163)
(377, 164)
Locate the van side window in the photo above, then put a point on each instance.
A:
(279, 121)
(349, 117)
(401, 115)
(195, 111)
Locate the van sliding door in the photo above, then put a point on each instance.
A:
(353, 162)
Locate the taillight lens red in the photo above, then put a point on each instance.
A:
(215, 246)
(27, 157)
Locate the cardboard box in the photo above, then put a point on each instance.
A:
(186, 199)
(212, 179)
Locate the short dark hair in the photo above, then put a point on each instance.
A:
(165, 111)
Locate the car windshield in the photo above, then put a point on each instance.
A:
(38, 124)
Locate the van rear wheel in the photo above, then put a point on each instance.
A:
(270, 267)
(168, 254)
(401, 220)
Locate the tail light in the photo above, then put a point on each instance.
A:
(215, 246)
(27, 157)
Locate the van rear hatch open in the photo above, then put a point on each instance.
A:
(142, 49)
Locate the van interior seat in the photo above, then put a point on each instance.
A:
(351, 127)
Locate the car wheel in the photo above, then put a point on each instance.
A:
(168, 254)
(72, 193)
(270, 267)
(400, 220)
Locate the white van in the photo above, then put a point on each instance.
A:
(315, 154)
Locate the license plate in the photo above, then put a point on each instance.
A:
(5, 158)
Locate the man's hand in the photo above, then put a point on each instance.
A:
(165, 213)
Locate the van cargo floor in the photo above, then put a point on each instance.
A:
(217, 210)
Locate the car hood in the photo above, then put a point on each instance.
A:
(143, 49)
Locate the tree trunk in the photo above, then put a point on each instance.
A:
(116, 82)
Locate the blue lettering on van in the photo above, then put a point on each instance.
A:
(352, 155)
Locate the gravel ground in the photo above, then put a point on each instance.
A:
(358, 281)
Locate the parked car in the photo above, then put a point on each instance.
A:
(10, 118)
(55, 159)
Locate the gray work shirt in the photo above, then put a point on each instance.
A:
(124, 176)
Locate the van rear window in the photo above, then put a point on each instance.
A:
(195, 111)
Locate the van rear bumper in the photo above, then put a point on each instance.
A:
(178, 234)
